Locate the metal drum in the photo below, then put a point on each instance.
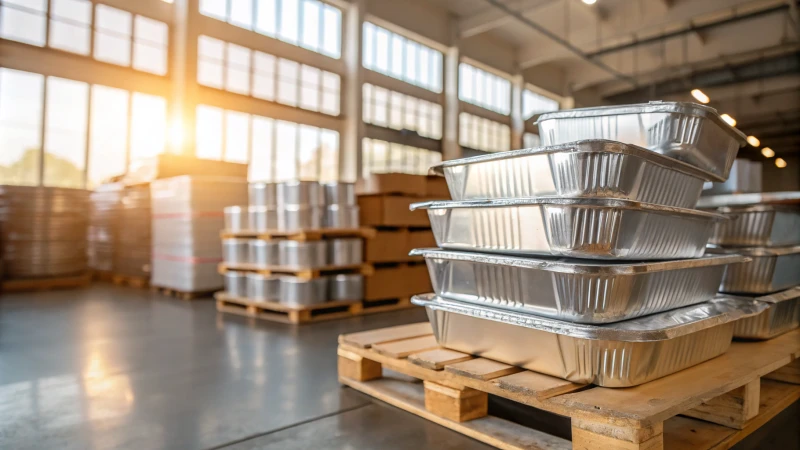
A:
(345, 252)
(299, 292)
(263, 253)
(346, 287)
(236, 284)
(263, 194)
(299, 217)
(263, 288)
(300, 193)
(303, 254)
(43, 231)
(235, 251)
(341, 216)
(236, 219)
(262, 218)
(340, 193)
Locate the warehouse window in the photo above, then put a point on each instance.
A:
(148, 125)
(484, 89)
(70, 25)
(21, 103)
(108, 137)
(276, 150)
(483, 134)
(533, 103)
(151, 39)
(306, 23)
(385, 157)
(227, 66)
(24, 21)
(114, 31)
(401, 58)
(392, 109)
(66, 119)
(531, 140)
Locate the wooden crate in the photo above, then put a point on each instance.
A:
(301, 235)
(299, 272)
(47, 284)
(279, 312)
(183, 295)
(734, 394)
(126, 280)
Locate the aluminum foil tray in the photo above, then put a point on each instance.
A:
(613, 355)
(688, 132)
(579, 228)
(782, 315)
(757, 226)
(592, 168)
(574, 290)
(765, 198)
(771, 270)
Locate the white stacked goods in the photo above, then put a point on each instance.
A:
(133, 236)
(103, 225)
(187, 220)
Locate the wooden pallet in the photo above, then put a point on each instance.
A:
(182, 294)
(301, 235)
(102, 275)
(126, 280)
(734, 394)
(46, 284)
(279, 312)
(299, 272)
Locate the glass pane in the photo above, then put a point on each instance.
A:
(148, 125)
(21, 97)
(238, 73)
(209, 132)
(382, 50)
(289, 21)
(308, 153)
(287, 81)
(424, 66)
(242, 13)
(286, 141)
(237, 135)
(381, 103)
(436, 75)
(396, 111)
(66, 120)
(397, 56)
(311, 25)
(411, 63)
(330, 93)
(213, 8)
(23, 26)
(410, 119)
(332, 31)
(368, 52)
(108, 138)
(329, 155)
(264, 76)
(310, 88)
(265, 17)
(210, 61)
(70, 25)
(150, 46)
(112, 36)
(261, 159)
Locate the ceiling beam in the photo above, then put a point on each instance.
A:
(494, 18)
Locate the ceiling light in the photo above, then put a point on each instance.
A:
(780, 163)
(590, 2)
(700, 96)
(767, 152)
(752, 140)
(729, 120)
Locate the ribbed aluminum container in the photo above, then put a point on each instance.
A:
(236, 284)
(578, 228)
(782, 315)
(263, 194)
(758, 226)
(303, 255)
(298, 292)
(236, 219)
(345, 252)
(621, 354)
(262, 219)
(235, 251)
(341, 216)
(300, 193)
(591, 168)
(688, 132)
(345, 287)
(745, 177)
(263, 288)
(771, 269)
(264, 253)
(338, 193)
(292, 218)
(571, 289)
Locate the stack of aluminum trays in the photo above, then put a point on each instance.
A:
(585, 260)
(765, 228)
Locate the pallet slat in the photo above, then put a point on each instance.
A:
(300, 272)
(301, 235)
(46, 284)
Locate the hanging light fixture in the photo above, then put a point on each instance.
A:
(728, 119)
(752, 140)
(700, 96)
(780, 163)
(590, 2)
(767, 152)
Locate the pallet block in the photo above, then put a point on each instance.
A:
(727, 393)
(125, 280)
(299, 272)
(183, 295)
(46, 284)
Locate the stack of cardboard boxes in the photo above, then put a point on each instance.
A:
(384, 201)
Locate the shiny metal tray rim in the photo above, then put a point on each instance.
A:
(715, 201)
(729, 309)
(577, 265)
(778, 297)
(655, 106)
(582, 146)
(754, 251)
(754, 208)
(564, 201)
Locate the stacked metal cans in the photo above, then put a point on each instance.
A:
(584, 259)
(766, 229)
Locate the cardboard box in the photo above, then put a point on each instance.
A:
(387, 246)
(392, 183)
(421, 239)
(169, 165)
(436, 188)
(396, 282)
(387, 210)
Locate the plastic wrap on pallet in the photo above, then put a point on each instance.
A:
(187, 219)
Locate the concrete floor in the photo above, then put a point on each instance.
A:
(110, 367)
